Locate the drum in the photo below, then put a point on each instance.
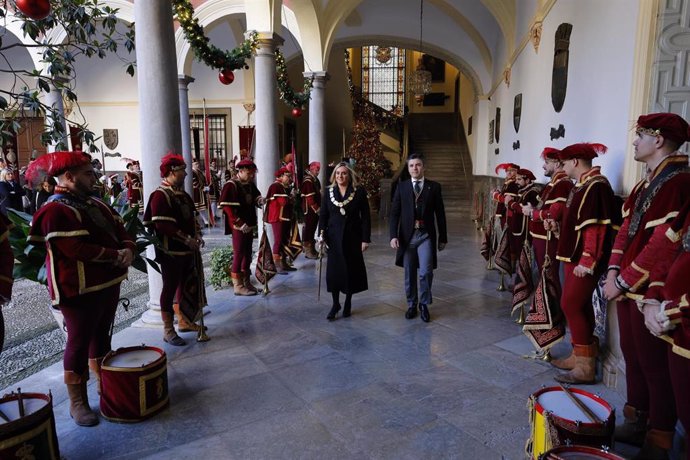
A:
(134, 384)
(579, 453)
(32, 435)
(555, 420)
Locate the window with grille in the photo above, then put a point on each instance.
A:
(216, 135)
(383, 77)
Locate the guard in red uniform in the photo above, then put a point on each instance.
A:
(652, 205)
(528, 193)
(586, 235)
(509, 188)
(239, 200)
(6, 268)
(171, 213)
(666, 306)
(200, 193)
(278, 214)
(551, 203)
(311, 205)
(88, 255)
(134, 183)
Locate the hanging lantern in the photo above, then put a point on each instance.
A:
(226, 76)
(34, 9)
(420, 82)
(296, 112)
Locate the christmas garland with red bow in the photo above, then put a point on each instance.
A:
(207, 53)
(285, 91)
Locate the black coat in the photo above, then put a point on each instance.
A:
(345, 270)
(402, 216)
(11, 194)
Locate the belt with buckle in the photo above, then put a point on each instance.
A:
(419, 224)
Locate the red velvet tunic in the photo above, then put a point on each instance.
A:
(82, 237)
(171, 213)
(133, 181)
(510, 187)
(239, 202)
(669, 278)
(556, 191)
(198, 185)
(529, 194)
(279, 208)
(632, 255)
(310, 189)
(587, 222)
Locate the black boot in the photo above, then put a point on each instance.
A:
(348, 306)
(336, 306)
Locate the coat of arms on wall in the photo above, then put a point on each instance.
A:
(559, 82)
(517, 111)
(110, 138)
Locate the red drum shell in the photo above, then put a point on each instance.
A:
(579, 453)
(32, 435)
(134, 394)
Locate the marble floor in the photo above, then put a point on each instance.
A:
(277, 380)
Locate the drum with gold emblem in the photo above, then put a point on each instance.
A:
(134, 384)
(27, 426)
(556, 420)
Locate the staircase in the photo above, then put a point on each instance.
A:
(446, 159)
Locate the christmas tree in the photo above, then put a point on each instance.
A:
(370, 163)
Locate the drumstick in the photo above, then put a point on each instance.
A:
(20, 402)
(590, 415)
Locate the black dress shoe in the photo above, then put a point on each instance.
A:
(411, 312)
(424, 313)
(334, 311)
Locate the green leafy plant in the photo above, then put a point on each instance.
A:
(221, 263)
(91, 30)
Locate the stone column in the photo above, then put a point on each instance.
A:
(317, 121)
(183, 81)
(266, 144)
(159, 111)
(54, 99)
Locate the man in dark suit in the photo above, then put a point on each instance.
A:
(417, 209)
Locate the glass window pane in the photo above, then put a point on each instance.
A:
(383, 76)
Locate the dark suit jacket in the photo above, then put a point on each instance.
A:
(402, 216)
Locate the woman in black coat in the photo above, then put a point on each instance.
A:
(11, 192)
(345, 224)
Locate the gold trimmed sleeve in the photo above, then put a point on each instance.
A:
(662, 220)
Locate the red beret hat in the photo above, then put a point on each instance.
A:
(671, 126)
(55, 164)
(282, 171)
(582, 151)
(171, 162)
(246, 163)
(526, 173)
(550, 153)
(506, 166)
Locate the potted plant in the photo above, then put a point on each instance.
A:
(221, 266)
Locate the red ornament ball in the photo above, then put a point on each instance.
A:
(226, 76)
(34, 9)
(296, 112)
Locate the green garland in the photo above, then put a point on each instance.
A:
(287, 94)
(207, 53)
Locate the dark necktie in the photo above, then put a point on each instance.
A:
(417, 187)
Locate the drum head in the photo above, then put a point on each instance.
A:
(558, 403)
(132, 358)
(10, 407)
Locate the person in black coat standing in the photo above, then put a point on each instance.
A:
(345, 226)
(416, 211)
(11, 192)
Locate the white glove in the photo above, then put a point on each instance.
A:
(207, 188)
(663, 318)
